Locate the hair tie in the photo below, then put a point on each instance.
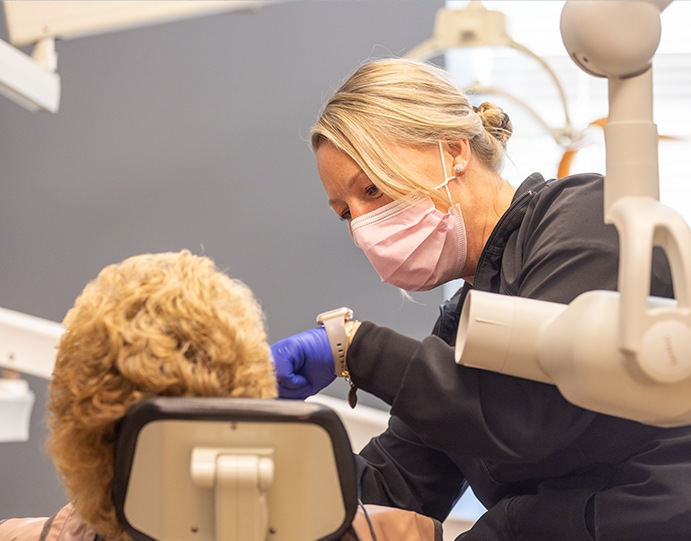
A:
(504, 121)
(475, 109)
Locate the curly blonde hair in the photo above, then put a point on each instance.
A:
(166, 324)
(409, 103)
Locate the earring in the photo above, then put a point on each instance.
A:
(458, 169)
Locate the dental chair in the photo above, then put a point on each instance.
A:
(230, 469)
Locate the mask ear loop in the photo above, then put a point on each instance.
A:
(445, 184)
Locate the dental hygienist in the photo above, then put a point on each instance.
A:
(414, 170)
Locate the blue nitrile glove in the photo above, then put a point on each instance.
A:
(304, 363)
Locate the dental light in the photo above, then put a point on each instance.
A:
(621, 352)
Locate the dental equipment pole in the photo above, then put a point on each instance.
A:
(622, 352)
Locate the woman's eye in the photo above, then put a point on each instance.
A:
(344, 216)
(372, 190)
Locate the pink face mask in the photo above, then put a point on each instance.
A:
(411, 244)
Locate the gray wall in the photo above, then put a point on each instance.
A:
(192, 135)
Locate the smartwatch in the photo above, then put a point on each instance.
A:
(334, 322)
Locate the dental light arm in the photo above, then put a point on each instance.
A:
(27, 345)
(623, 352)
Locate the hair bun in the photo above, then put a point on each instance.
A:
(496, 122)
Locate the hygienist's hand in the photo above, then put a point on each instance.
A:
(304, 363)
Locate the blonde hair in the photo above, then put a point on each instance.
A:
(166, 324)
(408, 103)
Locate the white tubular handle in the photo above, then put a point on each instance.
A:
(643, 223)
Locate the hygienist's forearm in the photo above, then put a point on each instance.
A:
(378, 358)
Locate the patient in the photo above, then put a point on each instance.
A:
(167, 324)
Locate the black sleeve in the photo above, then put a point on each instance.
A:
(441, 410)
(459, 409)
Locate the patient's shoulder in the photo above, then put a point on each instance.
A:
(65, 525)
(22, 529)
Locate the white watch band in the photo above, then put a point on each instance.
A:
(334, 323)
